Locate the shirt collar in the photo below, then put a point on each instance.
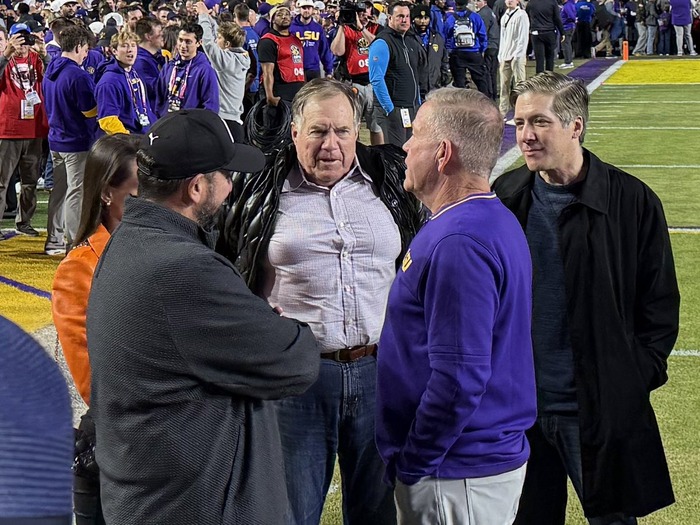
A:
(297, 177)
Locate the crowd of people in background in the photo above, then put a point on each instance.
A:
(71, 71)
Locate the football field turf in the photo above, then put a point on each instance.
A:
(644, 119)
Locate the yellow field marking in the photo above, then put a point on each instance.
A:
(25, 309)
(22, 260)
(648, 72)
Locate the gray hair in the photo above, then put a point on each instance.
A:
(570, 98)
(322, 88)
(472, 122)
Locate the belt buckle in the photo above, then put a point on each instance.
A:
(336, 356)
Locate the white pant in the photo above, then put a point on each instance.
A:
(492, 500)
(683, 32)
(511, 71)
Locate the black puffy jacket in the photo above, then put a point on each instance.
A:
(255, 199)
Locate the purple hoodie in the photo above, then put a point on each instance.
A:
(317, 50)
(68, 94)
(202, 88)
(115, 97)
(680, 13)
(91, 63)
(568, 15)
(262, 26)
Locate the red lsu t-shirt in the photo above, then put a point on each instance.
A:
(19, 75)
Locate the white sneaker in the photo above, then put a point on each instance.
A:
(567, 66)
(40, 183)
(693, 54)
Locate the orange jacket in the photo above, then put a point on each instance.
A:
(69, 300)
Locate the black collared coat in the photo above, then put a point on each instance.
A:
(623, 303)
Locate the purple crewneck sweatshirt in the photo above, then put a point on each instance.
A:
(455, 373)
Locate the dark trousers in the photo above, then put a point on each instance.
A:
(310, 74)
(584, 42)
(664, 47)
(87, 504)
(236, 130)
(567, 47)
(460, 62)
(392, 125)
(555, 453)
(491, 66)
(11, 196)
(545, 47)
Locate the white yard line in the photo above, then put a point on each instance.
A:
(694, 231)
(637, 102)
(638, 86)
(597, 82)
(661, 166)
(654, 128)
(685, 353)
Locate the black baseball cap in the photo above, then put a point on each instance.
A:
(420, 11)
(191, 141)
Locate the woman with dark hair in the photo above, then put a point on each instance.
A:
(110, 176)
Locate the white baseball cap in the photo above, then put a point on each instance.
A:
(96, 28)
(119, 19)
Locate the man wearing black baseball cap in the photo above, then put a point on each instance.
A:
(183, 355)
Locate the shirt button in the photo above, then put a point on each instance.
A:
(348, 288)
(342, 225)
(345, 255)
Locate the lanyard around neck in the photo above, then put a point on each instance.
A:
(136, 88)
(178, 84)
(30, 73)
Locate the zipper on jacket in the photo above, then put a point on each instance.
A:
(408, 62)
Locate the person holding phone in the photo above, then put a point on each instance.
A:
(23, 122)
(351, 45)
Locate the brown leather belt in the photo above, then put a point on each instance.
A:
(347, 355)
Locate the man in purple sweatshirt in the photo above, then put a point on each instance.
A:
(188, 81)
(53, 47)
(317, 51)
(122, 101)
(71, 111)
(149, 58)
(455, 372)
(568, 20)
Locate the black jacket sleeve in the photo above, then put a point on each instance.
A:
(658, 299)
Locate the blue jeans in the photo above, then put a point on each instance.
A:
(651, 36)
(664, 47)
(335, 416)
(555, 453)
